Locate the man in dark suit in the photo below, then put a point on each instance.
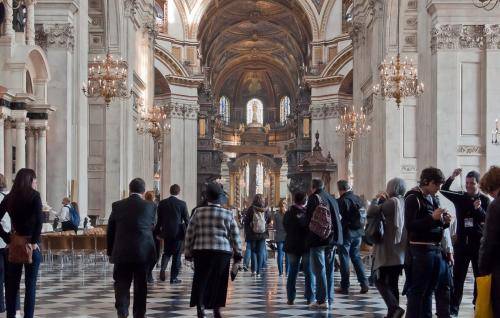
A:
(171, 226)
(131, 248)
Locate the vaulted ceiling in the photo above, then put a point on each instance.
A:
(238, 35)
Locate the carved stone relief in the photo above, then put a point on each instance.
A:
(470, 150)
(55, 36)
(458, 36)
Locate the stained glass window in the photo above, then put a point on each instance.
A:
(284, 109)
(225, 109)
(255, 111)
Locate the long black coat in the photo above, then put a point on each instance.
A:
(172, 216)
(130, 235)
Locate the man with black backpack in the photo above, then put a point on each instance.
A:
(353, 215)
(68, 216)
(325, 232)
(171, 227)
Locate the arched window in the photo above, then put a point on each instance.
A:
(284, 109)
(255, 111)
(225, 109)
(259, 178)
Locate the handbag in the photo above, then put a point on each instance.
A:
(20, 250)
(484, 308)
(375, 228)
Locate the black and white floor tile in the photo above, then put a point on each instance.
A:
(86, 291)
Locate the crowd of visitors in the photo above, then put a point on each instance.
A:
(409, 231)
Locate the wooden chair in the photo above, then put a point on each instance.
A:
(83, 245)
(60, 246)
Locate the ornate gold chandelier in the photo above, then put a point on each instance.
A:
(487, 5)
(353, 124)
(152, 121)
(107, 78)
(398, 79)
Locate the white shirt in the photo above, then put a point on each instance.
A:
(64, 214)
(5, 221)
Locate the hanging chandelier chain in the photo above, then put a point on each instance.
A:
(398, 79)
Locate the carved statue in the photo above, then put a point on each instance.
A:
(19, 20)
(254, 113)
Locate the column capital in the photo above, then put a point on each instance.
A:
(30, 131)
(55, 36)
(327, 110)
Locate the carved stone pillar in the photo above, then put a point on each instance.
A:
(30, 22)
(8, 152)
(30, 145)
(42, 163)
(9, 30)
(2, 154)
(20, 143)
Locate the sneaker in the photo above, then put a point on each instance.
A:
(175, 281)
(343, 291)
(162, 276)
(253, 274)
(364, 289)
(245, 268)
(318, 306)
(290, 302)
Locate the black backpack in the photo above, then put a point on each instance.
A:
(356, 216)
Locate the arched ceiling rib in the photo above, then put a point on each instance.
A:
(261, 33)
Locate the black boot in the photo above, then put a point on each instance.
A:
(217, 313)
(200, 311)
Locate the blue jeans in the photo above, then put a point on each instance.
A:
(350, 249)
(279, 258)
(294, 262)
(322, 263)
(248, 254)
(13, 280)
(424, 276)
(258, 255)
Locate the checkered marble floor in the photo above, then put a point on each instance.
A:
(86, 291)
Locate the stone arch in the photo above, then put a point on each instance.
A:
(342, 59)
(37, 64)
(169, 63)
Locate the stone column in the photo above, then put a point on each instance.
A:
(9, 17)
(30, 145)
(42, 163)
(8, 152)
(30, 22)
(20, 143)
(2, 150)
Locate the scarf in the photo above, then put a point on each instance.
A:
(399, 219)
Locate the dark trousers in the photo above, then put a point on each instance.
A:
(387, 284)
(426, 272)
(3, 266)
(157, 256)
(172, 249)
(443, 290)
(68, 226)
(495, 292)
(13, 280)
(211, 275)
(123, 274)
(463, 256)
